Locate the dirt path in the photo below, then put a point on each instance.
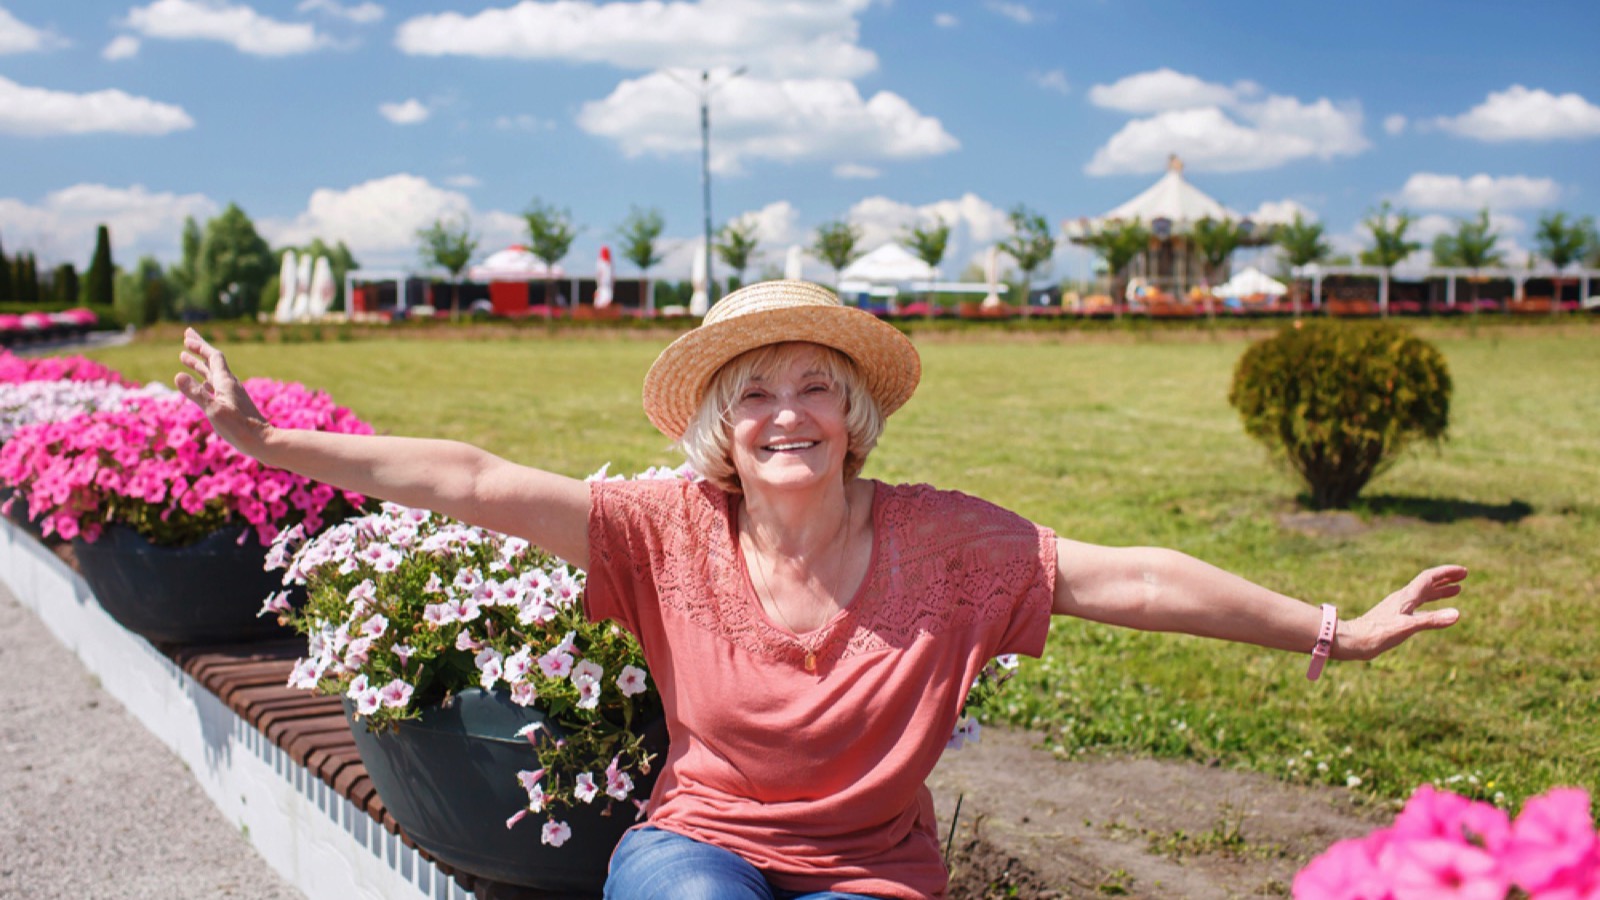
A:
(1033, 826)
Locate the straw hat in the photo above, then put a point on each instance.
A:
(772, 312)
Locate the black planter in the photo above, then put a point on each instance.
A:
(207, 592)
(19, 513)
(450, 779)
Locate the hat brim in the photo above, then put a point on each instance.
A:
(677, 381)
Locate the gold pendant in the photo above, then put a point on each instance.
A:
(811, 662)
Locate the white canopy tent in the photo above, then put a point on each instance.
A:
(1249, 282)
(889, 264)
(514, 263)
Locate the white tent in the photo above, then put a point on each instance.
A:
(1250, 281)
(514, 263)
(889, 264)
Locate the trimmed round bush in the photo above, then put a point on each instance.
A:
(1340, 401)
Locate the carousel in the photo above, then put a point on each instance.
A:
(1171, 266)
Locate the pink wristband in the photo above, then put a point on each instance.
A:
(1319, 653)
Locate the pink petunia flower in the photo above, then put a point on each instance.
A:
(632, 681)
(555, 833)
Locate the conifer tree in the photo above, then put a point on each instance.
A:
(98, 281)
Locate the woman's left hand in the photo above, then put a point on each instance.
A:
(1398, 617)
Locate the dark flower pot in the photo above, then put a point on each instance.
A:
(449, 778)
(206, 592)
(18, 515)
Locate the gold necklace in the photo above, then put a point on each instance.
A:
(805, 644)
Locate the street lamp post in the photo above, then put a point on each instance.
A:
(704, 91)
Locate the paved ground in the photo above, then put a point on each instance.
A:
(91, 804)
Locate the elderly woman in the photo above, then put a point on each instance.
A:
(813, 633)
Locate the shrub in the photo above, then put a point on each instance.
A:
(1341, 400)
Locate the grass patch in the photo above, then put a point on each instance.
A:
(1132, 442)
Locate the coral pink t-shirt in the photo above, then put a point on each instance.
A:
(816, 777)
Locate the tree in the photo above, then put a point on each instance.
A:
(143, 295)
(1563, 243)
(1472, 246)
(1302, 245)
(25, 277)
(550, 234)
(1215, 241)
(5, 277)
(183, 278)
(97, 281)
(736, 243)
(835, 244)
(1030, 244)
(1389, 245)
(234, 264)
(1301, 241)
(929, 245)
(639, 233)
(1118, 243)
(65, 284)
(449, 244)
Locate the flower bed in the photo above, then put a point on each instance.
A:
(162, 471)
(1445, 845)
(15, 368)
(33, 402)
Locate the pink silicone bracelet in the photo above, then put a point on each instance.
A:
(1319, 653)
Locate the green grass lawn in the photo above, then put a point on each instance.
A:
(1131, 441)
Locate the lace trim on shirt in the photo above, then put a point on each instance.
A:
(944, 560)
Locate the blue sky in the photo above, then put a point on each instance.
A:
(363, 121)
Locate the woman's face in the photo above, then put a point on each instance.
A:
(789, 427)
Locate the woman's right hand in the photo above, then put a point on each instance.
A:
(220, 396)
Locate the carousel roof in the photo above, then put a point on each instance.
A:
(1172, 198)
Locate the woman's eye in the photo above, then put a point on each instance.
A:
(819, 389)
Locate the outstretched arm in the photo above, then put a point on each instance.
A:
(1163, 590)
(450, 477)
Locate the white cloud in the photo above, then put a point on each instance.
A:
(379, 219)
(1053, 80)
(523, 122)
(752, 118)
(411, 112)
(1430, 190)
(1520, 114)
(854, 170)
(1278, 131)
(946, 20)
(123, 46)
(360, 13)
(62, 226)
(463, 181)
(1218, 128)
(36, 112)
(237, 25)
(1281, 212)
(1016, 12)
(816, 38)
(1163, 89)
(17, 36)
(974, 223)
(1394, 124)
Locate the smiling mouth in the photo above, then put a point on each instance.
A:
(791, 445)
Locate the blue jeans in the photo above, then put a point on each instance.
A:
(651, 864)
